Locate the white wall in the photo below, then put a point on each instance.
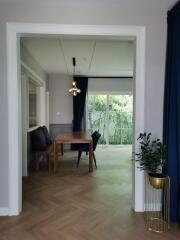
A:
(60, 101)
(28, 59)
(3, 124)
(153, 19)
(121, 85)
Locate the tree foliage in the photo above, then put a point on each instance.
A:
(113, 112)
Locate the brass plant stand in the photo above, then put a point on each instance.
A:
(157, 205)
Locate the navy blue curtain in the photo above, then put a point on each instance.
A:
(172, 110)
(79, 103)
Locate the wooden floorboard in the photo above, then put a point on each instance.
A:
(74, 204)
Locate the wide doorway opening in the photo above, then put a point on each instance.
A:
(15, 158)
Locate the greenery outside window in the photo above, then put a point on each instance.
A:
(112, 115)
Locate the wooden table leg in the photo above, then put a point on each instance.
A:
(90, 156)
(62, 149)
(37, 155)
(55, 156)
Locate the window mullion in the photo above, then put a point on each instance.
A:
(107, 119)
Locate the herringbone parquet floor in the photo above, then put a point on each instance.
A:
(76, 205)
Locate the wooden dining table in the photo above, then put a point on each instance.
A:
(72, 137)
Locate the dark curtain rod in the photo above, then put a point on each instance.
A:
(107, 77)
(101, 76)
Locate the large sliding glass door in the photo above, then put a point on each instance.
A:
(112, 116)
(97, 115)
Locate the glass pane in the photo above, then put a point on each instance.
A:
(120, 119)
(113, 121)
(97, 115)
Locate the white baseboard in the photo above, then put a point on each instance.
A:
(4, 211)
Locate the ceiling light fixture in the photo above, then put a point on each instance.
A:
(74, 90)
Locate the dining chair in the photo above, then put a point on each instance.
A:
(85, 147)
(41, 144)
(93, 134)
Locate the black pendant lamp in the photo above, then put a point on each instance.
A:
(74, 90)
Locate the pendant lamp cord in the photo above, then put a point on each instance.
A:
(74, 64)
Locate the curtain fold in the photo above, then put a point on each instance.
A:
(79, 103)
(171, 131)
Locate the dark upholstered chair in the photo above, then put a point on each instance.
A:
(41, 145)
(85, 147)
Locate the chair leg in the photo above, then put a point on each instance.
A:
(79, 157)
(37, 162)
(94, 160)
(48, 162)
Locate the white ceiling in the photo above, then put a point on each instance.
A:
(163, 4)
(94, 57)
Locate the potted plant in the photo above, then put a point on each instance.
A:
(152, 158)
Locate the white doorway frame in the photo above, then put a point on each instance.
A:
(14, 31)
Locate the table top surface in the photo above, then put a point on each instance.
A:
(73, 137)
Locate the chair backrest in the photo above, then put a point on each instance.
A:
(47, 135)
(38, 140)
(95, 138)
(94, 133)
